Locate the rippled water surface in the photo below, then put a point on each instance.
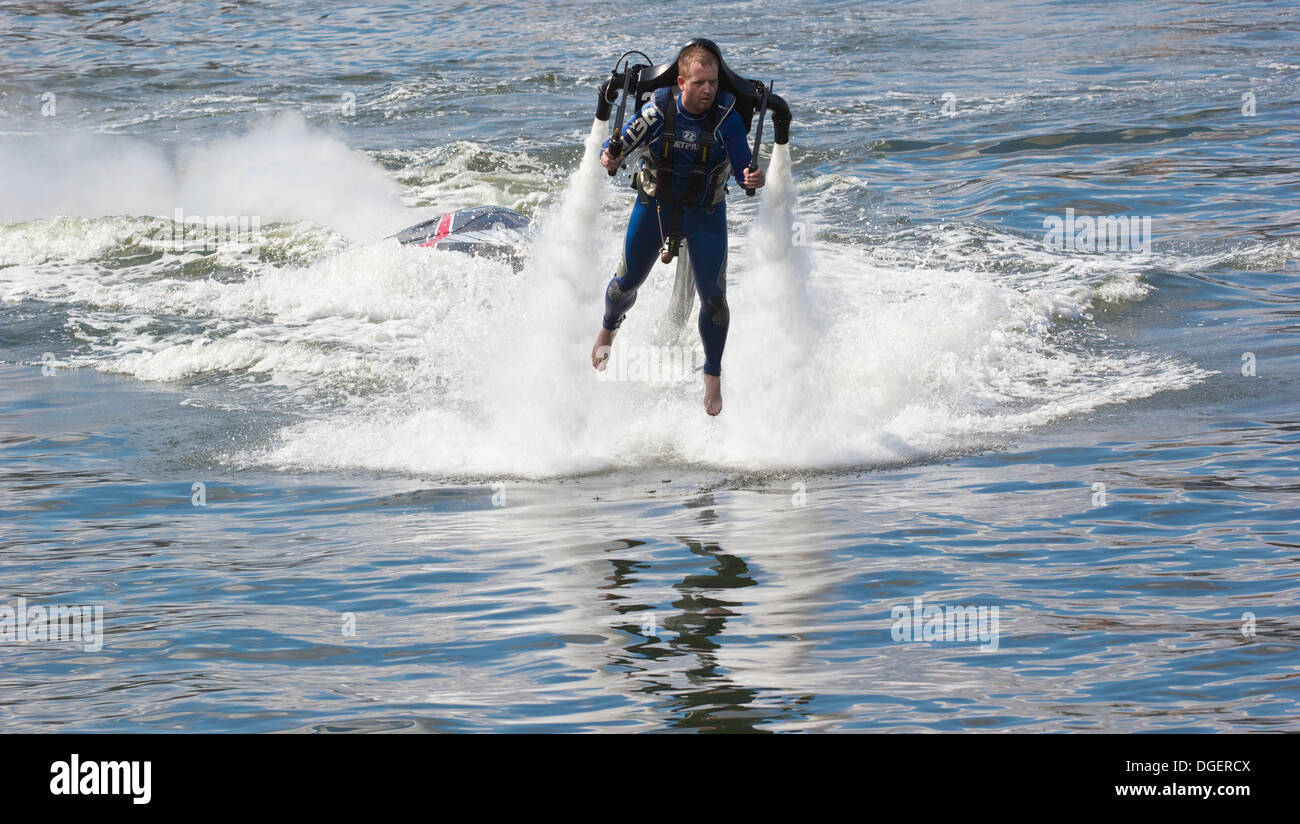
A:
(421, 510)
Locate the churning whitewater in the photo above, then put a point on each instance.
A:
(410, 361)
(807, 386)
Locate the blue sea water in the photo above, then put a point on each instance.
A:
(335, 484)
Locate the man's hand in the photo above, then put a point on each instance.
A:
(610, 163)
(754, 178)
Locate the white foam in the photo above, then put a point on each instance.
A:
(844, 352)
(832, 361)
(280, 170)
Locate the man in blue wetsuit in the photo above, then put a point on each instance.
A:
(695, 141)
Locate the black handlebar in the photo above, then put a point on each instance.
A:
(758, 133)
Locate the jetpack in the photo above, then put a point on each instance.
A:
(636, 82)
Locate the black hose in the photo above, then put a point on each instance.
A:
(780, 118)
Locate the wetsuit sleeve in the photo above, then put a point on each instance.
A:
(733, 135)
(645, 127)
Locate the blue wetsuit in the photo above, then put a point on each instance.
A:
(703, 221)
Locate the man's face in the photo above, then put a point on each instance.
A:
(699, 85)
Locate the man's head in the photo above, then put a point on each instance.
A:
(697, 77)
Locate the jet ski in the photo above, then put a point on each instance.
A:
(487, 231)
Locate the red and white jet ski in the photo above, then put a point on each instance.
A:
(491, 231)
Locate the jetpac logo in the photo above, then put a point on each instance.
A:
(687, 139)
(75, 777)
(24, 625)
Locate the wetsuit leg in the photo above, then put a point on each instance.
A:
(640, 250)
(705, 230)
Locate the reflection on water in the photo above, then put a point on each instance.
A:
(748, 606)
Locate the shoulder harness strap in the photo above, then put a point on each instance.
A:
(664, 162)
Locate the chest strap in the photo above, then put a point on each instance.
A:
(666, 190)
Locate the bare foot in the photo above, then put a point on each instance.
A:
(712, 394)
(600, 352)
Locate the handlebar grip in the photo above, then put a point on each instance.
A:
(615, 151)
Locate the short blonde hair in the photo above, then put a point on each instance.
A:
(697, 55)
